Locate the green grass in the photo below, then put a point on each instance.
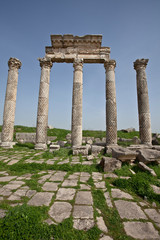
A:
(25, 223)
(140, 185)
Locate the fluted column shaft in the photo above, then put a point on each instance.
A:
(143, 101)
(42, 115)
(111, 108)
(77, 103)
(10, 103)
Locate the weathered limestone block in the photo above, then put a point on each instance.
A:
(124, 154)
(128, 130)
(54, 147)
(95, 150)
(80, 150)
(110, 164)
(143, 101)
(148, 155)
(10, 103)
(77, 103)
(146, 168)
(26, 137)
(42, 115)
(111, 108)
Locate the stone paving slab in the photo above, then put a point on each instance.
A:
(50, 186)
(41, 198)
(106, 238)
(154, 215)
(101, 225)
(65, 194)
(141, 230)
(83, 224)
(7, 178)
(117, 193)
(60, 211)
(108, 200)
(83, 212)
(69, 183)
(129, 210)
(84, 198)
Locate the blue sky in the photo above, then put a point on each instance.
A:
(130, 28)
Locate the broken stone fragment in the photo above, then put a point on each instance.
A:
(54, 148)
(146, 168)
(124, 154)
(110, 164)
(148, 155)
(83, 150)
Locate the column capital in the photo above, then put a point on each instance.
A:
(110, 65)
(140, 63)
(45, 62)
(78, 64)
(14, 63)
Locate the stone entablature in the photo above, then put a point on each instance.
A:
(65, 48)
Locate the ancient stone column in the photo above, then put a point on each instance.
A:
(10, 103)
(143, 101)
(77, 103)
(111, 108)
(42, 115)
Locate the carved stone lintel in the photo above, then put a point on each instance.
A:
(110, 65)
(45, 62)
(78, 64)
(140, 64)
(14, 63)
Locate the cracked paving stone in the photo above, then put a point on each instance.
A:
(154, 215)
(5, 192)
(84, 179)
(101, 225)
(51, 162)
(30, 193)
(83, 212)
(84, 187)
(60, 211)
(117, 193)
(7, 178)
(129, 210)
(85, 174)
(14, 197)
(87, 163)
(50, 186)
(141, 230)
(41, 198)
(69, 183)
(65, 194)
(108, 200)
(21, 192)
(83, 224)
(96, 176)
(73, 177)
(84, 198)
(58, 177)
(100, 185)
(13, 162)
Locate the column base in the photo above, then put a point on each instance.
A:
(109, 147)
(40, 146)
(7, 144)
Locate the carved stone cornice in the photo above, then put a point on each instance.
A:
(78, 64)
(110, 65)
(140, 64)
(14, 63)
(45, 62)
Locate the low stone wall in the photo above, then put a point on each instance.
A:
(26, 137)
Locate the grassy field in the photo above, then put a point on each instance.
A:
(27, 222)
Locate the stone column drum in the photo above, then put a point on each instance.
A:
(77, 103)
(10, 103)
(143, 101)
(111, 108)
(42, 115)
